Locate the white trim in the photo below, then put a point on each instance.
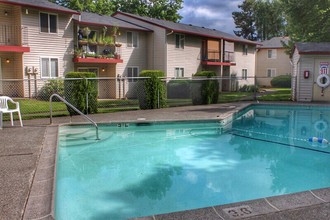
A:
(58, 69)
(48, 23)
(272, 72)
(137, 39)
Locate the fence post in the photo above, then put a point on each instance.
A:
(86, 91)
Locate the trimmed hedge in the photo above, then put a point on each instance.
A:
(205, 92)
(152, 88)
(76, 90)
(282, 81)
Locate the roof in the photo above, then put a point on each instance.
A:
(186, 28)
(104, 20)
(273, 43)
(40, 4)
(313, 48)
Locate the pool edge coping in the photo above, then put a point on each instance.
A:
(38, 204)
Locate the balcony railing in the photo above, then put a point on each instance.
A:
(214, 56)
(13, 35)
(229, 57)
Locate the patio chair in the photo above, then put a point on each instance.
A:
(5, 109)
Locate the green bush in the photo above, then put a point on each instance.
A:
(248, 88)
(282, 81)
(153, 88)
(51, 86)
(76, 89)
(205, 91)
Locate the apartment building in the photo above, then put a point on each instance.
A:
(40, 40)
(272, 61)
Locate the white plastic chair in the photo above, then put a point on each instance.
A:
(5, 109)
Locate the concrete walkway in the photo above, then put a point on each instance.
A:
(28, 157)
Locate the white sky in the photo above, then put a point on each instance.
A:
(215, 14)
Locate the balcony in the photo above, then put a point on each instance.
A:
(13, 38)
(213, 58)
(96, 60)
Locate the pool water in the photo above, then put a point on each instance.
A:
(141, 169)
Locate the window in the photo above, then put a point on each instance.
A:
(245, 49)
(49, 67)
(179, 72)
(48, 23)
(244, 73)
(271, 72)
(132, 72)
(179, 41)
(132, 39)
(271, 54)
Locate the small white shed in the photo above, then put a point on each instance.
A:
(311, 78)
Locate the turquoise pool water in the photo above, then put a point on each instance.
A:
(152, 168)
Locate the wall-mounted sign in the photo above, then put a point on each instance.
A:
(324, 67)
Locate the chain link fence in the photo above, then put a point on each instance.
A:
(122, 93)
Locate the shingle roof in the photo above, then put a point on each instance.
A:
(313, 48)
(41, 4)
(186, 28)
(96, 19)
(275, 42)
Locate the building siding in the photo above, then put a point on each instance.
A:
(281, 63)
(188, 58)
(244, 62)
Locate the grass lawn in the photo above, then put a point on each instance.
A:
(31, 108)
(278, 94)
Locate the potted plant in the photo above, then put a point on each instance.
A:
(83, 41)
(117, 56)
(92, 41)
(78, 52)
(108, 41)
(100, 41)
(86, 31)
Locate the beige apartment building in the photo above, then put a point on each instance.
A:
(271, 61)
(41, 40)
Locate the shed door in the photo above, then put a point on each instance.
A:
(322, 66)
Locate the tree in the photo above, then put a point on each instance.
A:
(245, 20)
(259, 19)
(308, 21)
(161, 9)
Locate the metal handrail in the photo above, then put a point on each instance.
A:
(75, 109)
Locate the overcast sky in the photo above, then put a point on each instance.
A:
(210, 13)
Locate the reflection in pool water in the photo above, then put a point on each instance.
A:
(165, 167)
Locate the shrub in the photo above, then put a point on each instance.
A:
(154, 90)
(51, 86)
(282, 81)
(248, 88)
(177, 89)
(205, 91)
(77, 87)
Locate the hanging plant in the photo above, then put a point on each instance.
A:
(86, 31)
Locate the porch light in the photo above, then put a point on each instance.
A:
(7, 60)
(26, 11)
(6, 13)
(103, 69)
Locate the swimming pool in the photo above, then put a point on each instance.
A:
(140, 169)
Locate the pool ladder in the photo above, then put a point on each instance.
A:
(75, 109)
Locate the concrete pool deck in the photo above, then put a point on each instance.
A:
(28, 162)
